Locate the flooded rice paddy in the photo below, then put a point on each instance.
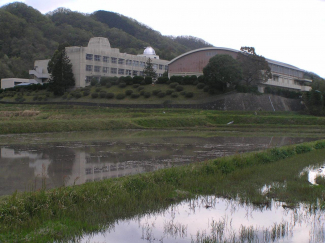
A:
(30, 163)
(223, 220)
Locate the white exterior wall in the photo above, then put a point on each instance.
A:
(100, 46)
(40, 72)
(12, 82)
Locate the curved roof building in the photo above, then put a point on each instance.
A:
(193, 62)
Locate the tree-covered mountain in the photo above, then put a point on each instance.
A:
(27, 35)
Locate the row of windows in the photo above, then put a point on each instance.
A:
(98, 58)
(127, 73)
(98, 69)
(285, 70)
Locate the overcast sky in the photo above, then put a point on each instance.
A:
(290, 31)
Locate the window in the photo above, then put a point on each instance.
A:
(114, 70)
(97, 69)
(114, 59)
(141, 73)
(128, 62)
(97, 58)
(128, 72)
(89, 57)
(155, 66)
(89, 68)
(105, 69)
(135, 73)
(160, 66)
(88, 79)
(166, 68)
(120, 61)
(136, 63)
(142, 64)
(89, 171)
(105, 59)
(275, 78)
(121, 71)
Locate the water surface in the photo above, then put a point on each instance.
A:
(226, 220)
(35, 161)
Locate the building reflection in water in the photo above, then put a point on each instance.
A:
(26, 167)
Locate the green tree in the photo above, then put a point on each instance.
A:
(255, 68)
(148, 70)
(60, 69)
(222, 71)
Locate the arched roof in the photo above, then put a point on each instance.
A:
(233, 50)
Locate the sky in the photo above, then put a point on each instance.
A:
(289, 31)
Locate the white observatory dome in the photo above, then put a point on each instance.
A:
(149, 51)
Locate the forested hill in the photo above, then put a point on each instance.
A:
(27, 35)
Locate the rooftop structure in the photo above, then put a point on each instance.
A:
(283, 75)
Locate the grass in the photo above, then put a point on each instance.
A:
(68, 212)
(62, 118)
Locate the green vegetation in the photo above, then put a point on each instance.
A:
(27, 35)
(60, 69)
(221, 72)
(64, 118)
(68, 212)
(252, 65)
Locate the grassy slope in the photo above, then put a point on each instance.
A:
(59, 118)
(67, 212)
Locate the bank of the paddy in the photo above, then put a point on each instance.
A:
(56, 118)
(68, 212)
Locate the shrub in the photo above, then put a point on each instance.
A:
(94, 95)
(319, 145)
(77, 95)
(200, 85)
(146, 94)
(122, 85)
(128, 92)
(140, 88)
(142, 92)
(183, 93)
(169, 92)
(93, 82)
(98, 89)
(156, 91)
(206, 88)
(179, 88)
(138, 80)
(189, 94)
(108, 85)
(86, 93)
(173, 85)
(120, 96)
(135, 85)
(178, 79)
(300, 149)
(104, 80)
(135, 95)
(110, 95)
(174, 95)
(162, 80)
(148, 80)
(102, 94)
(161, 94)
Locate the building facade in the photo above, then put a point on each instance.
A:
(283, 75)
(98, 60)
